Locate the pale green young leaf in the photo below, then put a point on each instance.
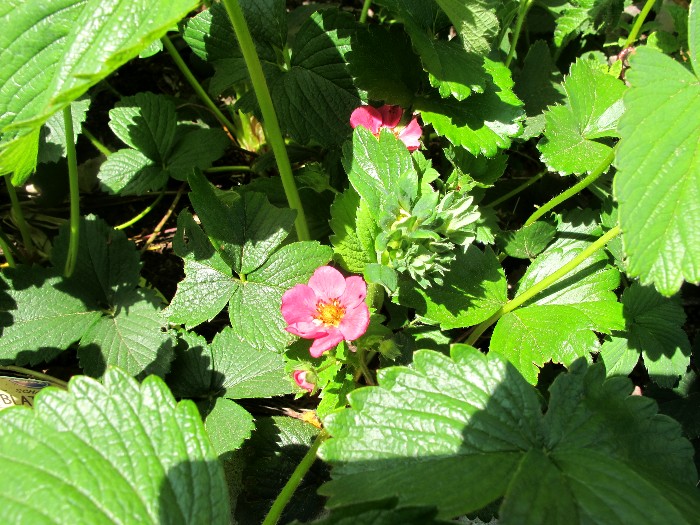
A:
(353, 232)
(133, 338)
(558, 324)
(128, 454)
(592, 109)
(458, 433)
(658, 181)
(474, 288)
(53, 52)
(228, 367)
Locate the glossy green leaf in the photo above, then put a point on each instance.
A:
(128, 453)
(591, 112)
(658, 181)
(458, 433)
(558, 325)
(227, 367)
(474, 288)
(54, 52)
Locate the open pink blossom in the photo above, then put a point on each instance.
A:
(300, 379)
(328, 310)
(388, 117)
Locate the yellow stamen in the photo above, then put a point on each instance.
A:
(331, 313)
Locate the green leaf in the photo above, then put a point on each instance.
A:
(538, 84)
(474, 288)
(585, 17)
(228, 424)
(38, 318)
(227, 367)
(375, 168)
(527, 242)
(132, 337)
(198, 148)
(459, 433)
(591, 112)
(484, 122)
(54, 52)
(353, 232)
(52, 146)
(276, 448)
(618, 357)
(694, 36)
(558, 324)
(380, 513)
(658, 181)
(128, 453)
(130, 172)
(476, 22)
(655, 329)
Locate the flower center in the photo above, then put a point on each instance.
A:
(331, 313)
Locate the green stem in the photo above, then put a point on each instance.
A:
(365, 10)
(271, 126)
(522, 12)
(364, 369)
(36, 375)
(638, 23)
(74, 190)
(18, 216)
(141, 215)
(517, 190)
(198, 89)
(224, 169)
(96, 143)
(543, 284)
(288, 490)
(583, 183)
(5, 247)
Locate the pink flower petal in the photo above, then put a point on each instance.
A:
(367, 117)
(323, 344)
(299, 304)
(355, 322)
(391, 115)
(355, 292)
(307, 330)
(411, 134)
(328, 283)
(300, 379)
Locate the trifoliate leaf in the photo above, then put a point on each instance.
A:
(372, 50)
(54, 52)
(128, 453)
(353, 232)
(484, 122)
(591, 112)
(227, 423)
(658, 182)
(458, 433)
(474, 288)
(558, 325)
(227, 367)
(655, 329)
(276, 448)
(527, 242)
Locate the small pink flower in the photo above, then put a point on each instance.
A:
(300, 379)
(328, 310)
(374, 119)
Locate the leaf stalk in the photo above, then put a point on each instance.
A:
(18, 216)
(523, 8)
(638, 23)
(74, 193)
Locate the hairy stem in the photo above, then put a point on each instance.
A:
(583, 183)
(18, 216)
(141, 215)
(96, 143)
(365, 10)
(198, 89)
(74, 192)
(226, 169)
(288, 490)
(523, 8)
(543, 284)
(638, 23)
(529, 182)
(270, 123)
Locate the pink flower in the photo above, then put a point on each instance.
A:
(328, 310)
(374, 119)
(300, 379)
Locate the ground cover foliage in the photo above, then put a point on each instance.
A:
(506, 310)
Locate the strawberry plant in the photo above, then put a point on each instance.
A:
(403, 261)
